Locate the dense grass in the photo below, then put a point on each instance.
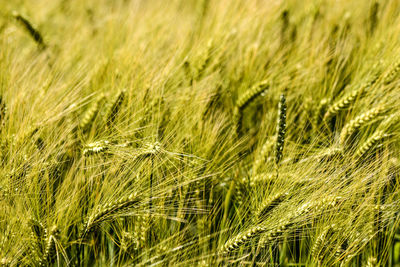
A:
(199, 132)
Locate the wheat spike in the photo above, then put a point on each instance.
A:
(260, 158)
(241, 238)
(391, 75)
(207, 59)
(360, 121)
(285, 224)
(129, 241)
(96, 147)
(38, 232)
(348, 99)
(270, 203)
(114, 107)
(371, 142)
(142, 229)
(108, 210)
(320, 243)
(187, 69)
(245, 100)
(241, 189)
(389, 121)
(34, 33)
(280, 130)
(315, 208)
(373, 17)
(50, 249)
(372, 262)
(329, 154)
(255, 231)
(89, 115)
(3, 112)
(319, 113)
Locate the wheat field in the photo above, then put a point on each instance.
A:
(199, 133)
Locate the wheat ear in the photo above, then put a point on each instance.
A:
(242, 238)
(320, 111)
(280, 130)
(114, 107)
(361, 120)
(270, 203)
(320, 243)
(245, 100)
(373, 17)
(208, 56)
(3, 112)
(50, 249)
(348, 99)
(89, 115)
(391, 75)
(37, 233)
(371, 142)
(96, 147)
(107, 211)
(34, 33)
(260, 158)
(316, 208)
